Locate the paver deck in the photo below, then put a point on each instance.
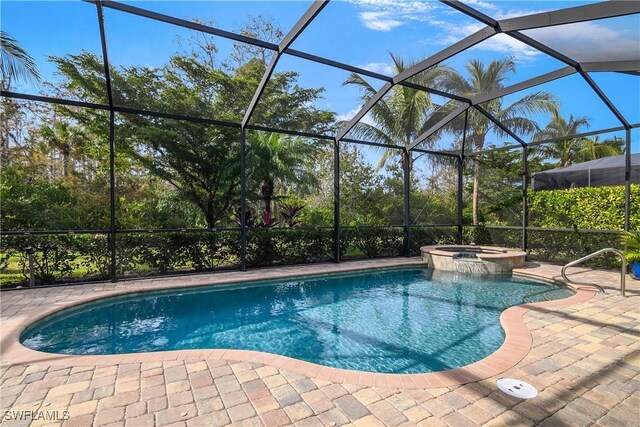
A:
(584, 358)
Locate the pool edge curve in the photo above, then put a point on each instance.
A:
(517, 343)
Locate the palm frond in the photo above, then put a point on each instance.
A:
(372, 133)
(590, 149)
(15, 62)
(356, 79)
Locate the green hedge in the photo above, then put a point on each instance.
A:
(506, 237)
(565, 246)
(600, 208)
(288, 246)
(295, 246)
(548, 245)
(161, 253)
(371, 242)
(65, 258)
(424, 236)
(56, 258)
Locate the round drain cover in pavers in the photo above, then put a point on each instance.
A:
(517, 388)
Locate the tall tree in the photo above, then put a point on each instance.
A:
(559, 127)
(517, 116)
(574, 150)
(274, 160)
(200, 161)
(257, 27)
(404, 114)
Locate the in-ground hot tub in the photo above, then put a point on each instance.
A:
(473, 259)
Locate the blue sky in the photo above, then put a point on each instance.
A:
(357, 32)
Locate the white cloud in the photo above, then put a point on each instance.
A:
(385, 15)
(398, 6)
(595, 41)
(345, 117)
(379, 21)
(512, 13)
(590, 41)
(508, 45)
(481, 4)
(581, 41)
(499, 43)
(379, 67)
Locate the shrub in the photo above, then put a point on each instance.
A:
(481, 235)
(371, 242)
(565, 246)
(424, 236)
(280, 246)
(153, 253)
(599, 208)
(96, 256)
(63, 258)
(55, 257)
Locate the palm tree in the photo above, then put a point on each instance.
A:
(563, 150)
(64, 137)
(401, 116)
(15, 62)
(592, 148)
(516, 117)
(273, 159)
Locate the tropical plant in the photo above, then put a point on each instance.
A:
(516, 116)
(565, 149)
(15, 62)
(631, 243)
(277, 160)
(401, 116)
(267, 220)
(574, 150)
(592, 148)
(290, 213)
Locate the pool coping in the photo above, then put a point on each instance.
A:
(517, 344)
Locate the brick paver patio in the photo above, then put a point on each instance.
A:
(585, 360)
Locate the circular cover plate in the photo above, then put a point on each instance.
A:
(517, 388)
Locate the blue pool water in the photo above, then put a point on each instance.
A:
(397, 321)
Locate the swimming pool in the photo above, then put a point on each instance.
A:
(408, 320)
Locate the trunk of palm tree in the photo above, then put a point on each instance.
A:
(565, 159)
(411, 161)
(478, 142)
(65, 160)
(476, 189)
(267, 194)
